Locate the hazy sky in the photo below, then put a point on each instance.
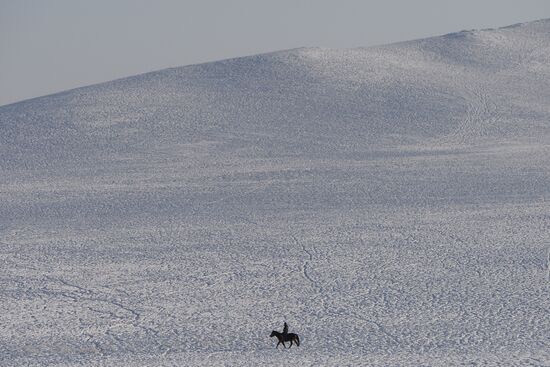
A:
(52, 45)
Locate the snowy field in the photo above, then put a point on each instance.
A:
(391, 203)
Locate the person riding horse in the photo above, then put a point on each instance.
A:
(285, 336)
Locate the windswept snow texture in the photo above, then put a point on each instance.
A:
(392, 204)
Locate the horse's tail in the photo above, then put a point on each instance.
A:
(297, 340)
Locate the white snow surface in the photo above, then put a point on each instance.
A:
(391, 203)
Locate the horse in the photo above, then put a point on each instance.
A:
(282, 337)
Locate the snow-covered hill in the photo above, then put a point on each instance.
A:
(390, 203)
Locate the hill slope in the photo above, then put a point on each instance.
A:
(462, 86)
(390, 203)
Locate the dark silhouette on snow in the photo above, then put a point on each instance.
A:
(285, 336)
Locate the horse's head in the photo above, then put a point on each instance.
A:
(273, 333)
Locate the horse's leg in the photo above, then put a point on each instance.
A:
(290, 344)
